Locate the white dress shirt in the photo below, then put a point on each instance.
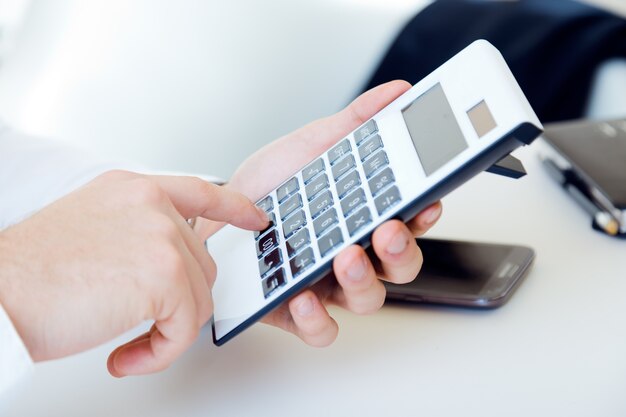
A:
(34, 172)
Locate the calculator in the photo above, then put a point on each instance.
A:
(456, 122)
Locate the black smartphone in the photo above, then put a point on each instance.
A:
(469, 274)
(588, 157)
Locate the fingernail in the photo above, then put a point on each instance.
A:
(356, 272)
(398, 244)
(305, 307)
(433, 215)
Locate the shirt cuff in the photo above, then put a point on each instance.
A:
(15, 361)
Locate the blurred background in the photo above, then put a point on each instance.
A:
(191, 85)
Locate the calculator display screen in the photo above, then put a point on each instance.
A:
(434, 129)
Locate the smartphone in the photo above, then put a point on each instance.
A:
(591, 156)
(458, 121)
(468, 274)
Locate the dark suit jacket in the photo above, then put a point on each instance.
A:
(552, 46)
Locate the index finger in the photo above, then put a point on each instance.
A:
(194, 197)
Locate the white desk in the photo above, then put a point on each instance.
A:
(557, 348)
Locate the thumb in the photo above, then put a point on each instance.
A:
(194, 197)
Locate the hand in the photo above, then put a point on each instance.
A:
(357, 286)
(110, 255)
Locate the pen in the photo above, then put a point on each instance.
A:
(603, 220)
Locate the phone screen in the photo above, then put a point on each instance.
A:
(597, 150)
(459, 267)
(465, 273)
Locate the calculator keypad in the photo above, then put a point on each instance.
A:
(301, 262)
(287, 189)
(267, 242)
(329, 241)
(270, 261)
(266, 204)
(364, 131)
(321, 203)
(343, 166)
(312, 170)
(298, 242)
(316, 186)
(289, 206)
(339, 150)
(352, 201)
(369, 146)
(274, 281)
(323, 222)
(358, 220)
(332, 190)
(294, 223)
(377, 161)
(387, 200)
(347, 184)
(381, 181)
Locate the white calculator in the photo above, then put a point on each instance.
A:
(458, 121)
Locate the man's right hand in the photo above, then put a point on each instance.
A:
(110, 255)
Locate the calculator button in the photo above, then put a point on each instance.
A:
(380, 181)
(294, 202)
(323, 222)
(387, 199)
(301, 262)
(266, 204)
(376, 162)
(298, 242)
(293, 223)
(358, 220)
(320, 203)
(352, 201)
(369, 146)
(343, 166)
(343, 148)
(312, 170)
(316, 186)
(287, 189)
(270, 261)
(274, 281)
(330, 240)
(365, 130)
(267, 242)
(346, 185)
(272, 223)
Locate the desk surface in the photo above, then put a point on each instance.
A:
(557, 348)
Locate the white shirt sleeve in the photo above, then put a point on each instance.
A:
(15, 362)
(33, 173)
